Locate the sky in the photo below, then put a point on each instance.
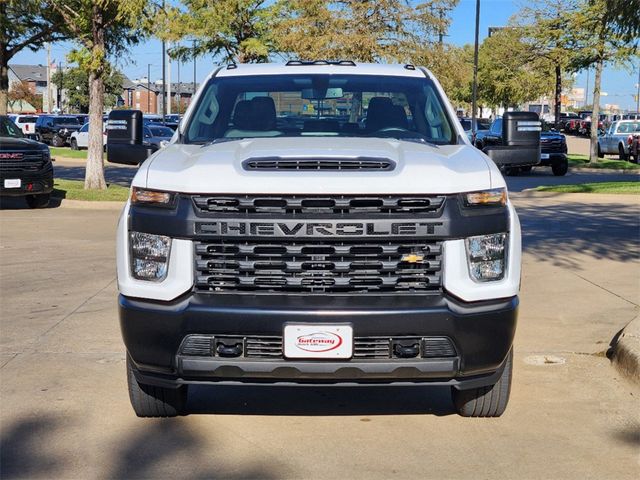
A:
(618, 84)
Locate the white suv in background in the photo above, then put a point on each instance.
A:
(80, 139)
(26, 123)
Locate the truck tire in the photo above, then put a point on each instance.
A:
(57, 141)
(600, 154)
(488, 401)
(511, 171)
(74, 144)
(38, 201)
(526, 169)
(622, 155)
(560, 169)
(152, 401)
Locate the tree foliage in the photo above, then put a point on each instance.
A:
(509, 72)
(75, 81)
(21, 92)
(23, 24)
(231, 30)
(366, 31)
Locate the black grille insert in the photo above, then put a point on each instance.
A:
(364, 348)
(279, 163)
(428, 205)
(318, 267)
(31, 162)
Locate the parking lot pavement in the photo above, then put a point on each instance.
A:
(65, 411)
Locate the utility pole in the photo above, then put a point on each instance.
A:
(148, 88)
(59, 89)
(474, 97)
(164, 78)
(638, 94)
(169, 85)
(178, 92)
(193, 94)
(586, 93)
(48, 106)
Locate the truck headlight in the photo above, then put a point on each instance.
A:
(149, 256)
(496, 197)
(486, 255)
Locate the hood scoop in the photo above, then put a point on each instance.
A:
(358, 163)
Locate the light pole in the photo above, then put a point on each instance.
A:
(148, 88)
(164, 77)
(474, 95)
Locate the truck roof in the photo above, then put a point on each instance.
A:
(318, 68)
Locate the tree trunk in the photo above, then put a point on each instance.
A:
(595, 112)
(4, 82)
(94, 175)
(558, 99)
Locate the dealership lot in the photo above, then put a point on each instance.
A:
(65, 411)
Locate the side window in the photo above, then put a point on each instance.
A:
(85, 128)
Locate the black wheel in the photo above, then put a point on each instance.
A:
(526, 169)
(57, 141)
(38, 201)
(600, 154)
(560, 169)
(151, 401)
(488, 401)
(74, 144)
(511, 171)
(621, 154)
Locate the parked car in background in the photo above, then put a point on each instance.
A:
(25, 166)
(585, 125)
(157, 136)
(82, 117)
(553, 148)
(26, 123)
(565, 118)
(56, 129)
(80, 139)
(481, 124)
(618, 138)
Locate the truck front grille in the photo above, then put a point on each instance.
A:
(319, 205)
(318, 266)
(552, 146)
(31, 162)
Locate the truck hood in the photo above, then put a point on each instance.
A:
(218, 168)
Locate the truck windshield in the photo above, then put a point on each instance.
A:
(320, 105)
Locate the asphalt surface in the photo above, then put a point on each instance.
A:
(65, 412)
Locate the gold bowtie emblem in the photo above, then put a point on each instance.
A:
(413, 258)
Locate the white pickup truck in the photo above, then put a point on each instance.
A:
(316, 222)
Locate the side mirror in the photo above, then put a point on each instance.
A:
(124, 138)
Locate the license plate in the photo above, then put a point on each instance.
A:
(12, 183)
(318, 341)
(544, 156)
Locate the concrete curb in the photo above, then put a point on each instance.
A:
(626, 351)
(91, 205)
(604, 170)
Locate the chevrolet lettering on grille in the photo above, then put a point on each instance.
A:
(324, 228)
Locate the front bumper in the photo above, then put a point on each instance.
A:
(482, 333)
(31, 183)
(554, 157)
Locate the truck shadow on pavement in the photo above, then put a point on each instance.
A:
(319, 401)
(157, 448)
(557, 232)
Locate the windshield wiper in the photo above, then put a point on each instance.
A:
(222, 140)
